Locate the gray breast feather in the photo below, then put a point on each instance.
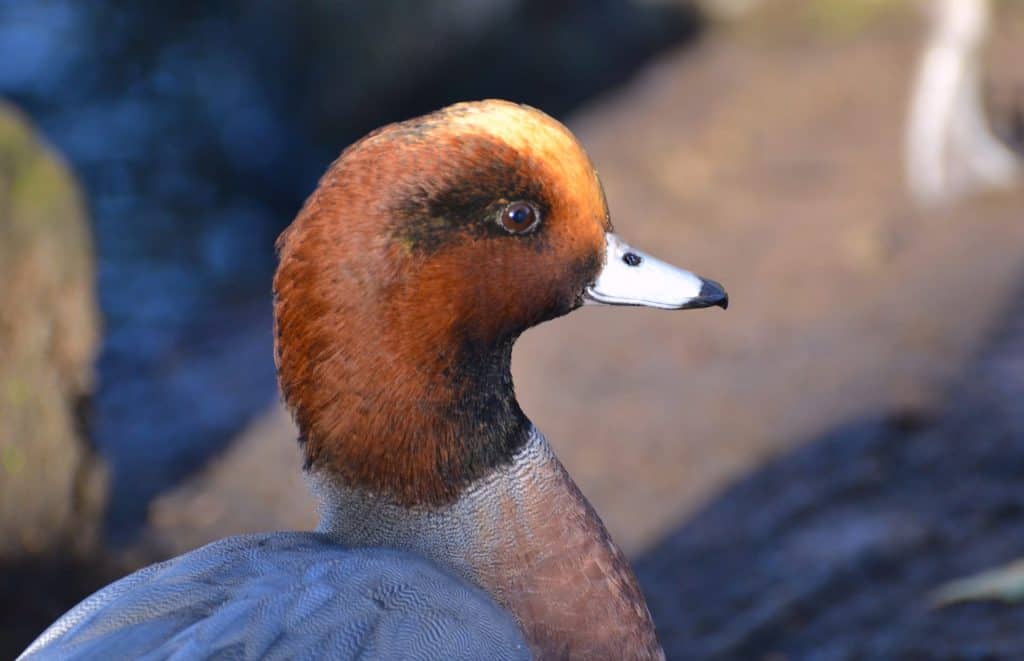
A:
(285, 596)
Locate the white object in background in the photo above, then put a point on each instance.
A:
(950, 150)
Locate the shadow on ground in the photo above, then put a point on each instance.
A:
(831, 551)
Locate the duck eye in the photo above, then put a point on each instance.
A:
(519, 217)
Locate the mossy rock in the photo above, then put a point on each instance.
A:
(51, 485)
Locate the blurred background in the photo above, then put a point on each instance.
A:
(795, 478)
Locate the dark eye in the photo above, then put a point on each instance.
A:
(519, 217)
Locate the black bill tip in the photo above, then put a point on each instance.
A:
(711, 294)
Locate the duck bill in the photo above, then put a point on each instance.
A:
(632, 277)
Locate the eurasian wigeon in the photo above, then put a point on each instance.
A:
(449, 528)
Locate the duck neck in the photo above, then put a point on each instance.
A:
(412, 415)
(526, 535)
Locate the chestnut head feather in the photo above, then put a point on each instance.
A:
(424, 252)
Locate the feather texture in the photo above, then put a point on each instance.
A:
(285, 595)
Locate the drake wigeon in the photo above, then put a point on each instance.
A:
(449, 529)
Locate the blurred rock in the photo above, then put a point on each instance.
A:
(51, 484)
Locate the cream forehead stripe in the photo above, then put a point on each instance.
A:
(521, 127)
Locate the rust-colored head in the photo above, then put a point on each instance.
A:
(427, 248)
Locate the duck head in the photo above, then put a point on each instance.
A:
(425, 251)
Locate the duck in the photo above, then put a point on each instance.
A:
(449, 528)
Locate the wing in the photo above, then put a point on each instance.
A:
(285, 595)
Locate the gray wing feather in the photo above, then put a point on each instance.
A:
(285, 596)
